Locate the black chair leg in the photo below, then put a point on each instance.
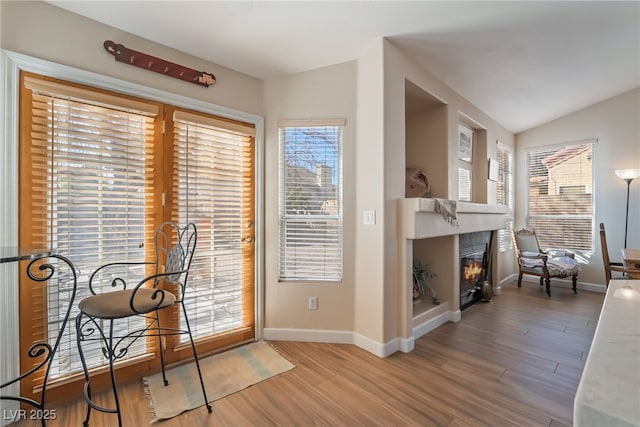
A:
(195, 357)
(548, 283)
(574, 281)
(111, 351)
(520, 280)
(87, 386)
(161, 350)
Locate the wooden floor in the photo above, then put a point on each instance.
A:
(515, 361)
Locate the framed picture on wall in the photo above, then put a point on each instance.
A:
(465, 143)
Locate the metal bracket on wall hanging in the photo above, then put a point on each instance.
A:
(148, 62)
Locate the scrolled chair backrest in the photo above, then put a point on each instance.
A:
(526, 241)
(175, 247)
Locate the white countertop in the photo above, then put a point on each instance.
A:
(609, 390)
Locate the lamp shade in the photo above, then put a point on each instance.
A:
(628, 173)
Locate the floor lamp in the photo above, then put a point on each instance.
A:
(628, 175)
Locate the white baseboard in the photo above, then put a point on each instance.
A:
(434, 322)
(566, 283)
(339, 337)
(406, 345)
(508, 279)
(308, 335)
(380, 350)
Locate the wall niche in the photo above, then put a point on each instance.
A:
(426, 137)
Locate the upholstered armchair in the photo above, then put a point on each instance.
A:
(534, 261)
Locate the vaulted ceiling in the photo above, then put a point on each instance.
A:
(523, 63)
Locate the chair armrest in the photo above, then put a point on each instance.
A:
(117, 279)
(556, 253)
(618, 268)
(532, 259)
(158, 294)
(532, 255)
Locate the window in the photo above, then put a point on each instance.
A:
(97, 177)
(465, 163)
(504, 194)
(464, 182)
(311, 201)
(560, 206)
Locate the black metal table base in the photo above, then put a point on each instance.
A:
(39, 349)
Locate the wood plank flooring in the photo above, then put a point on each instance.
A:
(515, 361)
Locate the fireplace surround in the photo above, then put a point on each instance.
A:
(475, 265)
(436, 242)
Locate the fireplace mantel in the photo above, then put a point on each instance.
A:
(421, 221)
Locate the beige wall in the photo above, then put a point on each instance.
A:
(44, 31)
(319, 94)
(369, 312)
(615, 123)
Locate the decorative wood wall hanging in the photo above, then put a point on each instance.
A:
(148, 62)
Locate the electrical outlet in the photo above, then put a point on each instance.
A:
(313, 303)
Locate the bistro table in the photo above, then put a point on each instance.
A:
(43, 264)
(631, 261)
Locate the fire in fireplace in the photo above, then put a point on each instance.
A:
(473, 270)
(475, 256)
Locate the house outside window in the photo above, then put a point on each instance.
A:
(504, 194)
(310, 202)
(560, 202)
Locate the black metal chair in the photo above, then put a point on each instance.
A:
(174, 248)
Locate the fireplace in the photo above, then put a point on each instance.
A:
(475, 265)
(421, 222)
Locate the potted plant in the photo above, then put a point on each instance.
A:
(422, 275)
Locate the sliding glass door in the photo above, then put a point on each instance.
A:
(99, 172)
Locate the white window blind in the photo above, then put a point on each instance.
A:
(504, 194)
(465, 182)
(213, 188)
(92, 184)
(311, 201)
(560, 206)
